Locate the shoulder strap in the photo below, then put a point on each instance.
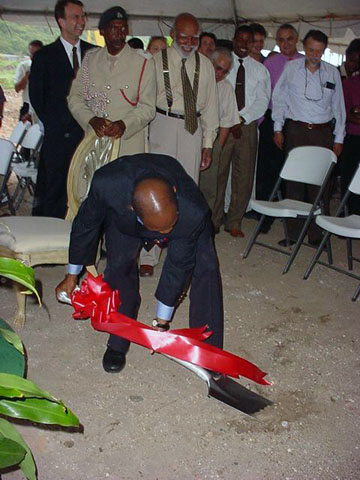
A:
(165, 61)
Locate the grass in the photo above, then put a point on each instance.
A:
(7, 72)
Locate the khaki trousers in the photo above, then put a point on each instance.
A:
(168, 136)
(241, 155)
(209, 177)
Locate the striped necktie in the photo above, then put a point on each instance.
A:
(191, 122)
(240, 86)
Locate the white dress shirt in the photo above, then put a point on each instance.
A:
(21, 70)
(257, 87)
(228, 112)
(309, 97)
(69, 50)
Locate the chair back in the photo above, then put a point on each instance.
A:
(308, 164)
(7, 150)
(92, 153)
(18, 133)
(32, 138)
(354, 186)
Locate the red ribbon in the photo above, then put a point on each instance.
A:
(96, 300)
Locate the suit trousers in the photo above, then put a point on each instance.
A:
(299, 136)
(241, 154)
(209, 177)
(206, 302)
(349, 163)
(50, 199)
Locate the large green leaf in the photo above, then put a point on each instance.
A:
(10, 392)
(39, 410)
(27, 465)
(27, 387)
(17, 271)
(12, 338)
(11, 453)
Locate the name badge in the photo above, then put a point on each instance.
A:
(330, 85)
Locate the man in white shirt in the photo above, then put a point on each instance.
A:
(251, 82)
(228, 116)
(21, 80)
(53, 69)
(307, 101)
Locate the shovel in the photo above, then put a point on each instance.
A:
(226, 390)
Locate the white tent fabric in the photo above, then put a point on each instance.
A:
(339, 19)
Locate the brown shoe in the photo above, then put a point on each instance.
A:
(234, 232)
(146, 270)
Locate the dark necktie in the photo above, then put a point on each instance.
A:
(240, 86)
(191, 122)
(75, 61)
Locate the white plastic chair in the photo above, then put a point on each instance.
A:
(26, 169)
(7, 151)
(18, 133)
(311, 165)
(348, 226)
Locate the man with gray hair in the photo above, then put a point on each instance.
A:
(228, 116)
(186, 118)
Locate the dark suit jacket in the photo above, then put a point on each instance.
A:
(50, 80)
(107, 206)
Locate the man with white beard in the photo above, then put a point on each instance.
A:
(186, 121)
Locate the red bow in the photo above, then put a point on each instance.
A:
(96, 300)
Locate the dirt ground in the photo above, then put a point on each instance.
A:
(154, 421)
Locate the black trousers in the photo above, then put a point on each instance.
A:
(349, 163)
(50, 199)
(206, 302)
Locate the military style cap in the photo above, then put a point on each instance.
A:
(113, 13)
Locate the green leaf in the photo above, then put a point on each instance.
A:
(17, 271)
(11, 453)
(10, 392)
(39, 410)
(27, 465)
(12, 338)
(27, 387)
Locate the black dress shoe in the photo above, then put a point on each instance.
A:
(286, 242)
(113, 361)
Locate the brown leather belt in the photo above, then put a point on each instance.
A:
(174, 115)
(312, 126)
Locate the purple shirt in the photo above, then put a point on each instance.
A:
(351, 88)
(276, 64)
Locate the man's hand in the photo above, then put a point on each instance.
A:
(337, 149)
(67, 285)
(279, 139)
(160, 321)
(205, 159)
(115, 129)
(99, 125)
(236, 131)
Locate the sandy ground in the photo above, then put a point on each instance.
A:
(154, 420)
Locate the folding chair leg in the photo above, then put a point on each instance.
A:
(349, 253)
(254, 236)
(356, 294)
(316, 255)
(297, 245)
(329, 251)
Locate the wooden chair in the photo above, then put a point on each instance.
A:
(45, 240)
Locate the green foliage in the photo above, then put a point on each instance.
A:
(7, 72)
(15, 38)
(17, 271)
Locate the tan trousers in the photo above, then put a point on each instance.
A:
(241, 154)
(168, 136)
(209, 177)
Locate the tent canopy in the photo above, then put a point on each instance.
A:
(339, 19)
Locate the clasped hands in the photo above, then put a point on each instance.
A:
(106, 128)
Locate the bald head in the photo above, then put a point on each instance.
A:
(155, 203)
(185, 34)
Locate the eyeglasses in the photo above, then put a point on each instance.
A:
(306, 86)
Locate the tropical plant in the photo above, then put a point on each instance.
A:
(20, 398)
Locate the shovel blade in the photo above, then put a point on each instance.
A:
(232, 393)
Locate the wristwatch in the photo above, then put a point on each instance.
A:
(164, 327)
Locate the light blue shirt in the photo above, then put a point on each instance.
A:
(162, 311)
(309, 97)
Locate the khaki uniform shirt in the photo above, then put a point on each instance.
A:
(206, 104)
(124, 89)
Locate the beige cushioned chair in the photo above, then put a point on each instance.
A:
(45, 240)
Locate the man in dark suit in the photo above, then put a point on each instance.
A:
(53, 69)
(139, 200)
